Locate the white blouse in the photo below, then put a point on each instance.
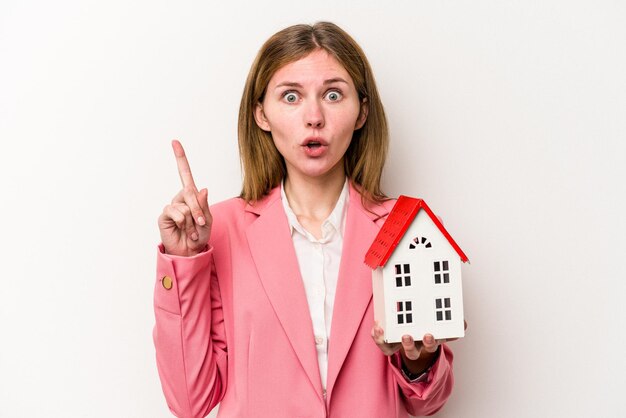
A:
(319, 266)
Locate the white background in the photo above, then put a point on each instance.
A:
(508, 117)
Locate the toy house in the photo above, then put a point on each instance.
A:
(416, 275)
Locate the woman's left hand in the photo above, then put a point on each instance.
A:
(416, 355)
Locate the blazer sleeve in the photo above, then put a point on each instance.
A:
(189, 335)
(429, 396)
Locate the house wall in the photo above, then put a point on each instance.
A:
(378, 289)
(506, 116)
(423, 291)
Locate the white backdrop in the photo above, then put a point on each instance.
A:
(508, 117)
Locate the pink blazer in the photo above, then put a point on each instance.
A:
(234, 328)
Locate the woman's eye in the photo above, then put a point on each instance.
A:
(333, 96)
(290, 97)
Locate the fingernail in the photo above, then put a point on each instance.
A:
(429, 339)
(201, 220)
(194, 236)
(406, 339)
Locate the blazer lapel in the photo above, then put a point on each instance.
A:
(354, 287)
(272, 249)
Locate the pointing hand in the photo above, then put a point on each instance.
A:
(185, 224)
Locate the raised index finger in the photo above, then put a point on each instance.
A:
(184, 171)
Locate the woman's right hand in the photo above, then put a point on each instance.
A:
(185, 224)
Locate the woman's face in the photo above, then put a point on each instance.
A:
(312, 108)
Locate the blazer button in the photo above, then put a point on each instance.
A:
(167, 282)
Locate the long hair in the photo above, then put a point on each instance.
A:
(263, 166)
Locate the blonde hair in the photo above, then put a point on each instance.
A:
(263, 166)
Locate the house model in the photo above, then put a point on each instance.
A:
(416, 275)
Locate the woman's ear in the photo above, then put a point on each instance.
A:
(260, 119)
(360, 121)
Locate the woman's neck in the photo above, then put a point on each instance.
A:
(312, 200)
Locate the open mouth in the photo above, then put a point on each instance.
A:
(315, 147)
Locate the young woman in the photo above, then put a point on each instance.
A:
(263, 303)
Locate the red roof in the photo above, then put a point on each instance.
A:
(398, 221)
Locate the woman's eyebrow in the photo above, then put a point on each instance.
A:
(288, 84)
(335, 80)
(298, 85)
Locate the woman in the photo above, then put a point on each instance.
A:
(263, 303)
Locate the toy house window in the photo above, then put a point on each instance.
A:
(442, 272)
(403, 275)
(443, 309)
(404, 311)
(420, 241)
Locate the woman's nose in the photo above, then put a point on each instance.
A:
(314, 116)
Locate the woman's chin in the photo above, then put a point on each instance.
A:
(317, 171)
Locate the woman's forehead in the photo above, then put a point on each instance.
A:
(317, 67)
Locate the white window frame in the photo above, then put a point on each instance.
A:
(443, 309)
(441, 271)
(404, 312)
(402, 274)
